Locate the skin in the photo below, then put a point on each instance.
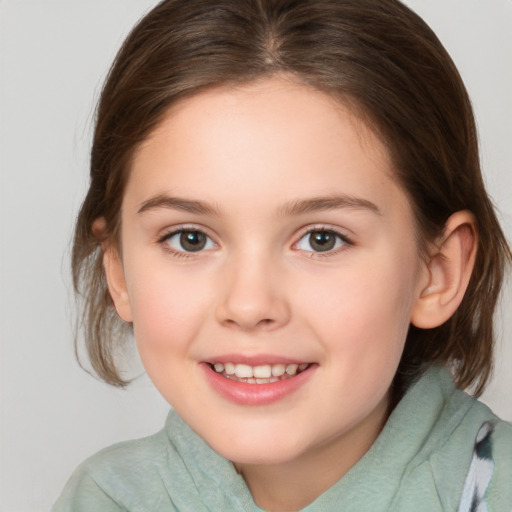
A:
(259, 289)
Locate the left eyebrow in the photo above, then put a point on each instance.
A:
(317, 204)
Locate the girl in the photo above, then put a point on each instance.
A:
(286, 208)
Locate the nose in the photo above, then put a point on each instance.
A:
(253, 295)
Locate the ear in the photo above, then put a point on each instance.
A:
(114, 271)
(448, 272)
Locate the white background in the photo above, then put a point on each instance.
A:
(53, 56)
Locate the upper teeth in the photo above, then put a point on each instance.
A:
(264, 371)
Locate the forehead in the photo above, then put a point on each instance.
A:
(274, 138)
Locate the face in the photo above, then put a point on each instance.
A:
(270, 269)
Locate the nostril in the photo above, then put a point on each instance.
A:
(252, 310)
(264, 321)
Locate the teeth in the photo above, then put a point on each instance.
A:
(278, 370)
(230, 368)
(243, 371)
(266, 381)
(291, 369)
(261, 374)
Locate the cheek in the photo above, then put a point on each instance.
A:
(363, 312)
(167, 310)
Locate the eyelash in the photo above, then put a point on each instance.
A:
(164, 239)
(345, 241)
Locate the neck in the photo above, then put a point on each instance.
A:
(291, 485)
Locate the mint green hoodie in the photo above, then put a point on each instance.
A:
(427, 459)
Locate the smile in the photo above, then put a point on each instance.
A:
(261, 374)
(260, 384)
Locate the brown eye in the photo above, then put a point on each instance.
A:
(189, 241)
(321, 240)
(192, 240)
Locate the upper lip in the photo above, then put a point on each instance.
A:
(254, 360)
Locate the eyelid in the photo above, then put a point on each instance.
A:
(347, 241)
(169, 232)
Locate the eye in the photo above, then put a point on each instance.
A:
(189, 240)
(321, 240)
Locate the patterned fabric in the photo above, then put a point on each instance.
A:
(480, 472)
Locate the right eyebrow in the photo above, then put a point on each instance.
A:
(178, 203)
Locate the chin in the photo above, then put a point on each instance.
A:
(260, 451)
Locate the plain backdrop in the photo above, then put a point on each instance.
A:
(53, 57)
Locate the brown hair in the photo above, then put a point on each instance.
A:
(375, 55)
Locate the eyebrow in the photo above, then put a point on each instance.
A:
(178, 203)
(298, 207)
(317, 204)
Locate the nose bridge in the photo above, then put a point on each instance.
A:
(253, 295)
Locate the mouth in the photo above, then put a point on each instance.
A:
(259, 383)
(260, 374)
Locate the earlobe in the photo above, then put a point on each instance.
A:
(116, 283)
(114, 272)
(449, 270)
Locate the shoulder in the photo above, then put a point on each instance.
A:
(448, 427)
(124, 476)
(499, 493)
(478, 447)
(129, 458)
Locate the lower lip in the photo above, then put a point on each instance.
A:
(243, 393)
